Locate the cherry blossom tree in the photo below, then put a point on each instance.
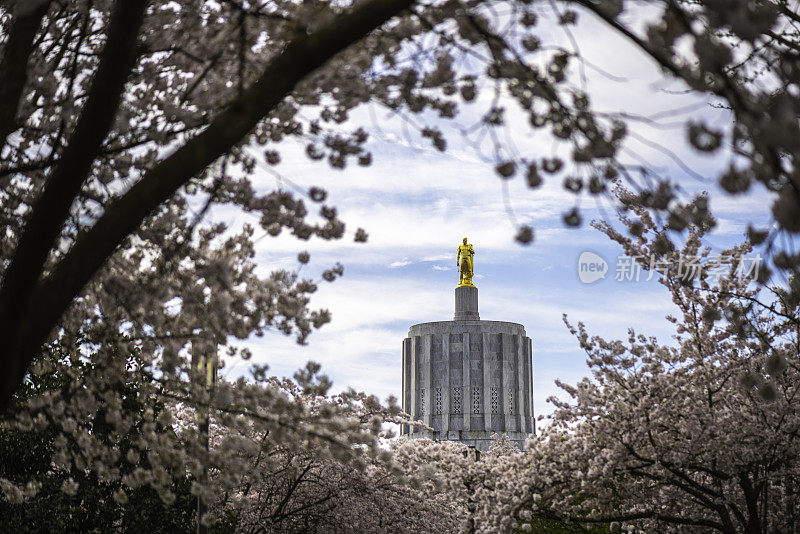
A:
(697, 435)
(278, 454)
(471, 483)
(336, 481)
(289, 491)
(88, 503)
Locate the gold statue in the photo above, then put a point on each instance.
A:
(465, 264)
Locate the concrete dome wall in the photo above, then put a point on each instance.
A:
(469, 379)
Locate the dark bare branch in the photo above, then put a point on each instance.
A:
(14, 65)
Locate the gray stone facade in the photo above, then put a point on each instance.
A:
(467, 378)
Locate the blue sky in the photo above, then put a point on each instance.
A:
(417, 204)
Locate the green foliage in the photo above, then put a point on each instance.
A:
(547, 525)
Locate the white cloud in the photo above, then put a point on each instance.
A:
(401, 263)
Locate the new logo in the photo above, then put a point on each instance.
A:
(591, 267)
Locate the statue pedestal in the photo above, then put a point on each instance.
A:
(466, 304)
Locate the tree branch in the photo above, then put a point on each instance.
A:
(62, 187)
(14, 65)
